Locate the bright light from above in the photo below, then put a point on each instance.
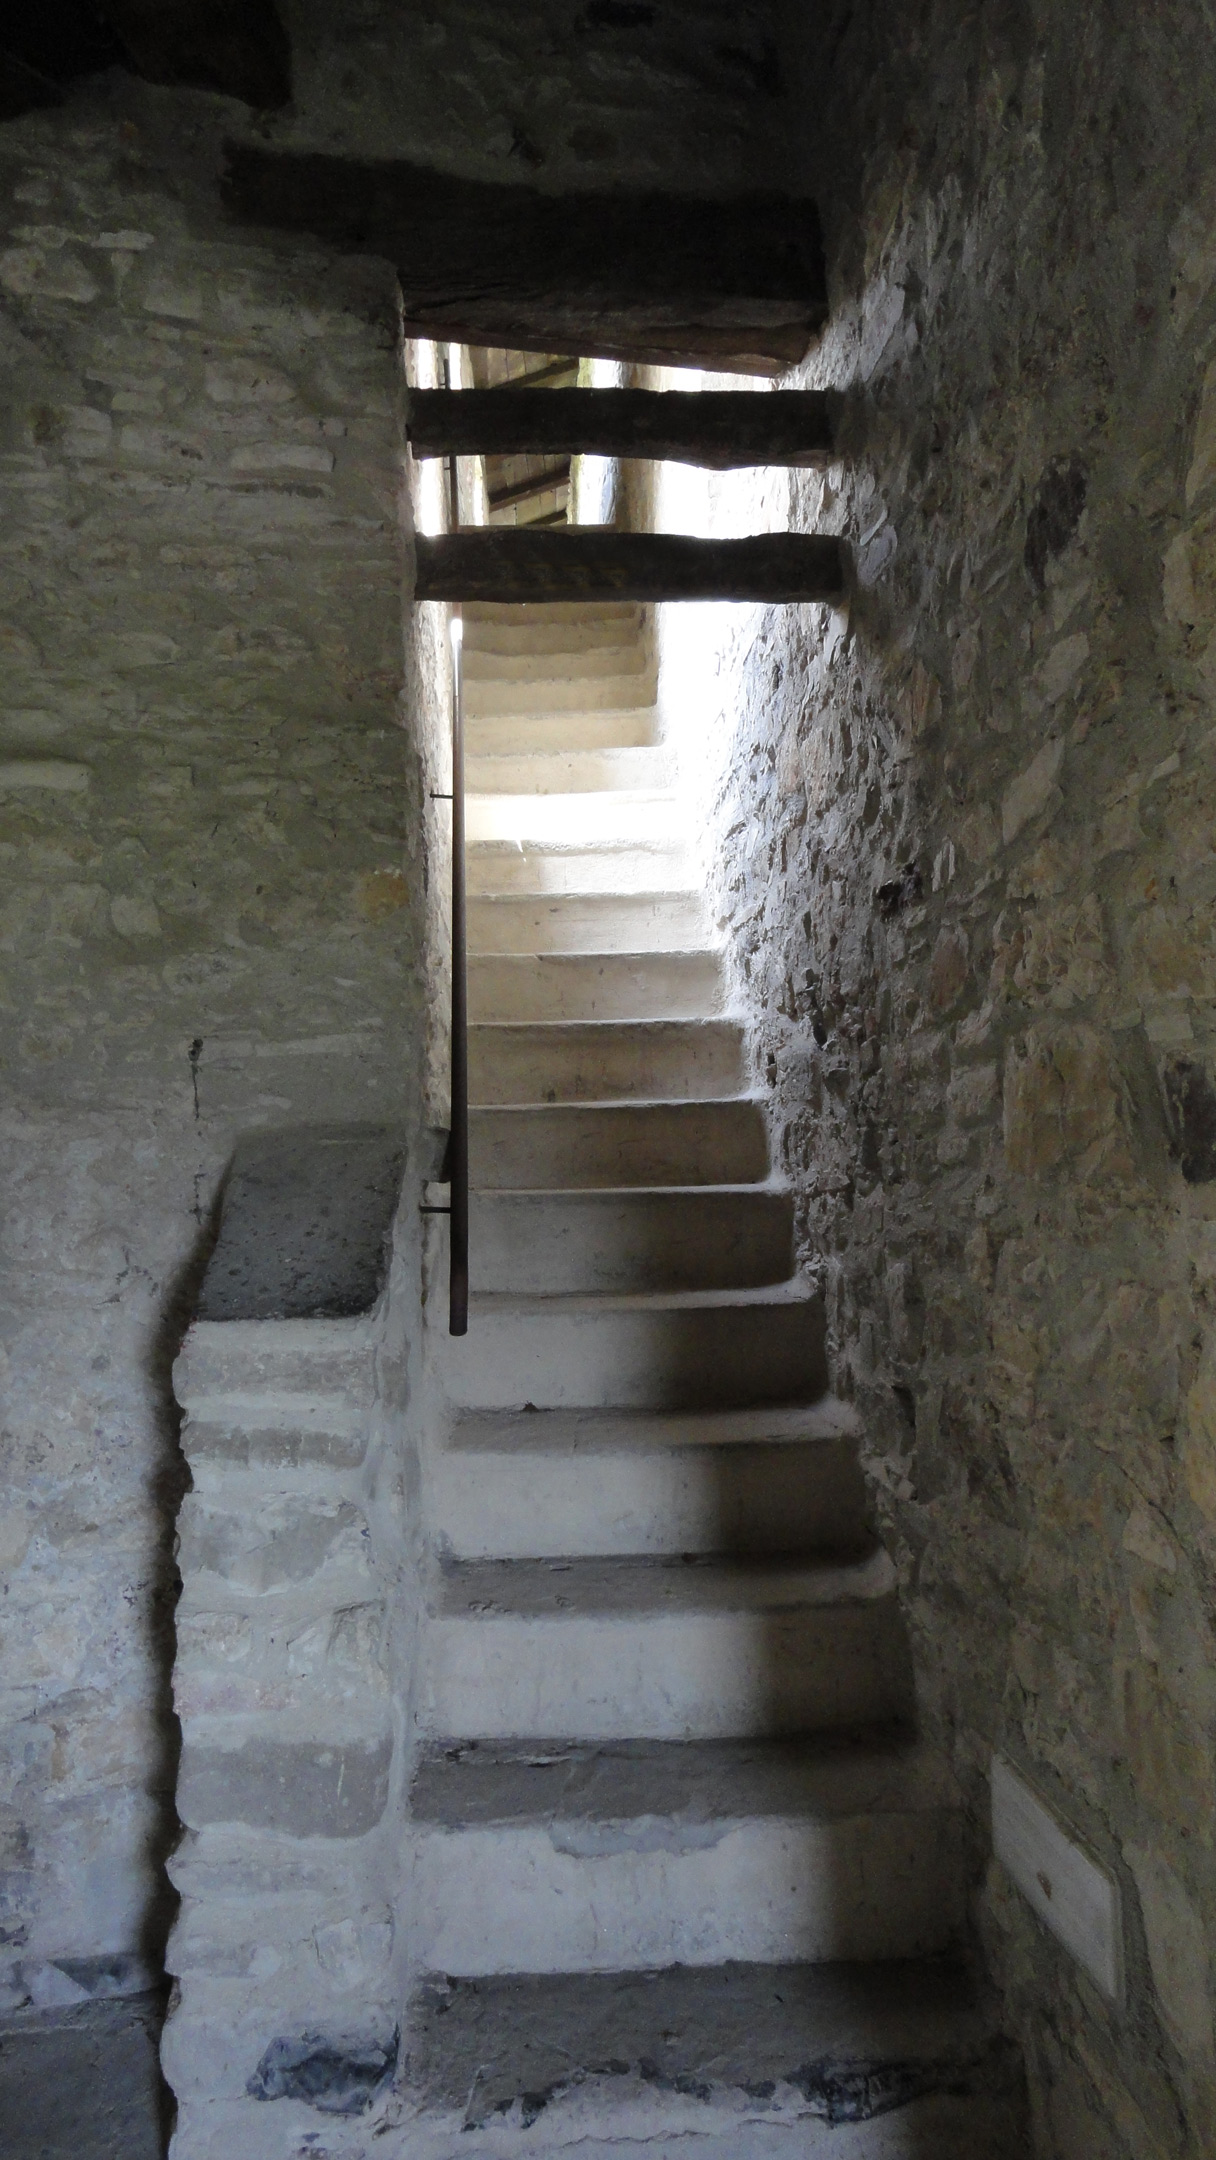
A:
(456, 631)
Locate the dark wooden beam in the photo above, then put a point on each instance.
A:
(522, 565)
(238, 47)
(737, 285)
(719, 428)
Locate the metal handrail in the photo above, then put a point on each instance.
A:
(458, 1145)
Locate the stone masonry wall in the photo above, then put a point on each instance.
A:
(682, 94)
(211, 897)
(966, 837)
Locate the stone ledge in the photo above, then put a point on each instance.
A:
(289, 1358)
(306, 1223)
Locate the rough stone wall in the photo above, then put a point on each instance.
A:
(680, 94)
(967, 848)
(211, 909)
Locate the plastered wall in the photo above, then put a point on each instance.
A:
(211, 895)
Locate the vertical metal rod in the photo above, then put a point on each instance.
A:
(458, 1281)
(453, 468)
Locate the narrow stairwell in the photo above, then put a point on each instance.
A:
(681, 1867)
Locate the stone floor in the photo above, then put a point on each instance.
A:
(84, 2083)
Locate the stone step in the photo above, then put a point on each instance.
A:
(540, 867)
(647, 1649)
(895, 2060)
(679, 1351)
(537, 1244)
(588, 660)
(537, 730)
(497, 696)
(594, 923)
(551, 1146)
(492, 618)
(570, 772)
(524, 645)
(587, 818)
(508, 1489)
(588, 1061)
(530, 1858)
(594, 986)
(570, 701)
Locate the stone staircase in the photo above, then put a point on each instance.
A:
(682, 1875)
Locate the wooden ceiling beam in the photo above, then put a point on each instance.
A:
(737, 284)
(522, 565)
(716, 428)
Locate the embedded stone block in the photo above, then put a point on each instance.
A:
(288, 1542)
(279, 1360)
(330, 1442)
(305, 1789)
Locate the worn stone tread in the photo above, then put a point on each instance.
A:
(571, 771)
(760, 1296)
(579, 1588)
(844, 2042)
(826, 1419)
(695, 1782)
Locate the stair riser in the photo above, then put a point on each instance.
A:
(667, 1360)
(569, 1145)
(548, 732)
(568, 772)
(610, 986)
(654, 1677)
(613, 819)
(559, 869)
(493, 698)
(560, 658)
(514, 1506)
(544, 1244)
(501, 1899)
(686, 1061)
(550, 625)
(614, 924)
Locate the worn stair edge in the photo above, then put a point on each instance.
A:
(859, 2063)
(633, 1588)
(691, 1786)
(823, 1418)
